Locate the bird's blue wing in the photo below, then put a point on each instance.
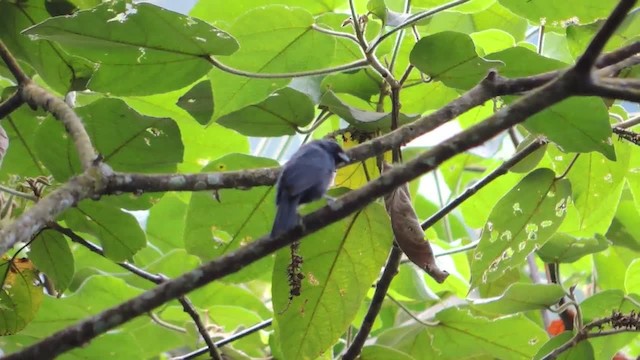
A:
(308, 169)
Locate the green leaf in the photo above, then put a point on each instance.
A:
(556, 13)
(564, 248)
(363, 84)
(581, 351)
(361, 119)
(379, 352)
(51, 254)
(223, 11)
(597, 186)
(579, 35)
(461, 335)
(632, 277)
(341, 262)
(172, 265)
(532, 160)
(520, 223)
(20, 296)
(623, 230)
(450, 57)
(576, 125)
(282, 113)
(123, 38)
(521, 297)
(520, 62)
(58, 69)
(21, 127)
(240, 217)
(492, 40)
(119, 232)
(273, 39)
(198, 102)
(127, 140)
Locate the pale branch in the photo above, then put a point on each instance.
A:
(11, 104)
(36, 96)
(389, 272)
(345, 35)
(156, 279)
(237, 336)
(136, 183)
(355, 200)
(12, 65)
(80, 187)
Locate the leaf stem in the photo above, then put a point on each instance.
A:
(350, 66)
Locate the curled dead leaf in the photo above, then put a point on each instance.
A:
(408, 233)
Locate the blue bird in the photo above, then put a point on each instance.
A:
(306, 177)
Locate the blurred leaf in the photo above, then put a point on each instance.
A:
(223, 11)
(521, 297)
(50, 254)
(165, 224)
(119, 232)
(282, 113)
(341, 262)
(520, 223)
(20, 296)
(356, 175)
(240, 217)
(198, 102)
(532, 160)
(624, 230)
(632, 277)
(362, 83)
(557, 13)
(21, 127)
(564, 248)
(581, 351)
(450, 57)
(273, 39)
(113, 35)
(378, 352)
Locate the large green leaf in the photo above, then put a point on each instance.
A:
(50, 254)
(520, 223)
(123, 38)
(579, 35)
(597, 185)
(119, 232)
(58, 69)
(361, 119)
(521, 297)
(282, 113)
(461, 335)
(20, 296)
(581, 351)
(564, 248)
(21, 127)
(225, 12)
(240, 217)
(450, 57)
(273, 39)
(127, 140)
(556, 12)
(165, 224)
(340, 264)
(623, 230)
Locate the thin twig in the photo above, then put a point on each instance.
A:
(410, 314)
(17, 193)
(156, 319)
(334, 33)
(237, 336)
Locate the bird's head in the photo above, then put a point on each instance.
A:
(335, 150)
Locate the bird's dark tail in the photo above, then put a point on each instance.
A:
(286, 217)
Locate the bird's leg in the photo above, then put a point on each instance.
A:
(331, 201)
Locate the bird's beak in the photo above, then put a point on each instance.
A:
(344, 157)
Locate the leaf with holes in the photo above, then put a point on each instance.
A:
(20, 295)
(273, 39)
(341, 262)
(122, 38)
(240, 217)
(451, 57)
(198, 102)
(118, 231)
(51, 254)
(520, 223)
(282, 113)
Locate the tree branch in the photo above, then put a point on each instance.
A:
(390, 271)
(11, 104)
(156, 279)
(12, 64)
(228, 69)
